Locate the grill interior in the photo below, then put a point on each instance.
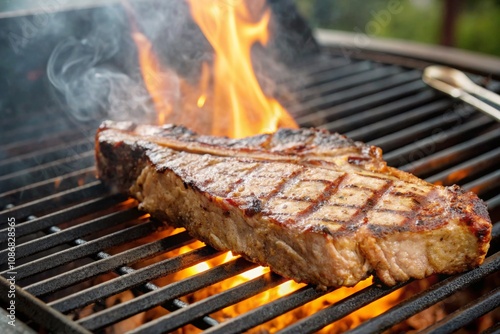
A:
(71, 230)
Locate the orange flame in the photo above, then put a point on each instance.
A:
(352, 320)
(204, 82)
(157, 79)
(156, 85)
(229, 28)
(234, 104)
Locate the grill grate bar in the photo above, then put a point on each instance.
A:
(356, 92)
(411, 158)
(85, 248)
(107, 263)
(321, 66)
(466, 314)
(374, 100)
(335, 73)
(409, 134)
(386, 126)
(202, 323)
(484, 184)
(362, 103)
(86, 297)
(299, 78)
(34, 131)
(432, 295)
(398, 122)
(312, 78)
(495, 232)
(359, 119)
(493, 203)
(65, 215)
(46, 171)
(303, 64)
(71, 233)
(495, 329)
(25, 119)
(27, 146)
(210, 304)
(268, 311)
(468, 168)
(45, 188)
(131, 278)
(38, 311)
(172, 305)
(34, 159)
(454, 154)
(339, 310)
(90, 190)
(353, 79)
(169, 292)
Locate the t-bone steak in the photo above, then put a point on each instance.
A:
(313, 206)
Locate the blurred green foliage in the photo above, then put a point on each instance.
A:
(477, 25)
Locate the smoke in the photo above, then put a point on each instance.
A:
(97, 77)
(92, 89)
(95, 74)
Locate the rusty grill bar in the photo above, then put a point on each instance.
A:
(69, 225)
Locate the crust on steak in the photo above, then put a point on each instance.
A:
(313, 206)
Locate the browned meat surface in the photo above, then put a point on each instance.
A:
(315, 207)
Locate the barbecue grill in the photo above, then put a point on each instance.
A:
(72, 232)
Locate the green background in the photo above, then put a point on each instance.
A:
(477, 27)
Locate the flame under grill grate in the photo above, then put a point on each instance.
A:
(69, 227)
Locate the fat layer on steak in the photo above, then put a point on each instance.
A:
(313, 206)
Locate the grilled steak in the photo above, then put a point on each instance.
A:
(315, 207)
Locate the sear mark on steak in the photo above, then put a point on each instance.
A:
(313, 206)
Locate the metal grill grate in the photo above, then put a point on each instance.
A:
(70, 230)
